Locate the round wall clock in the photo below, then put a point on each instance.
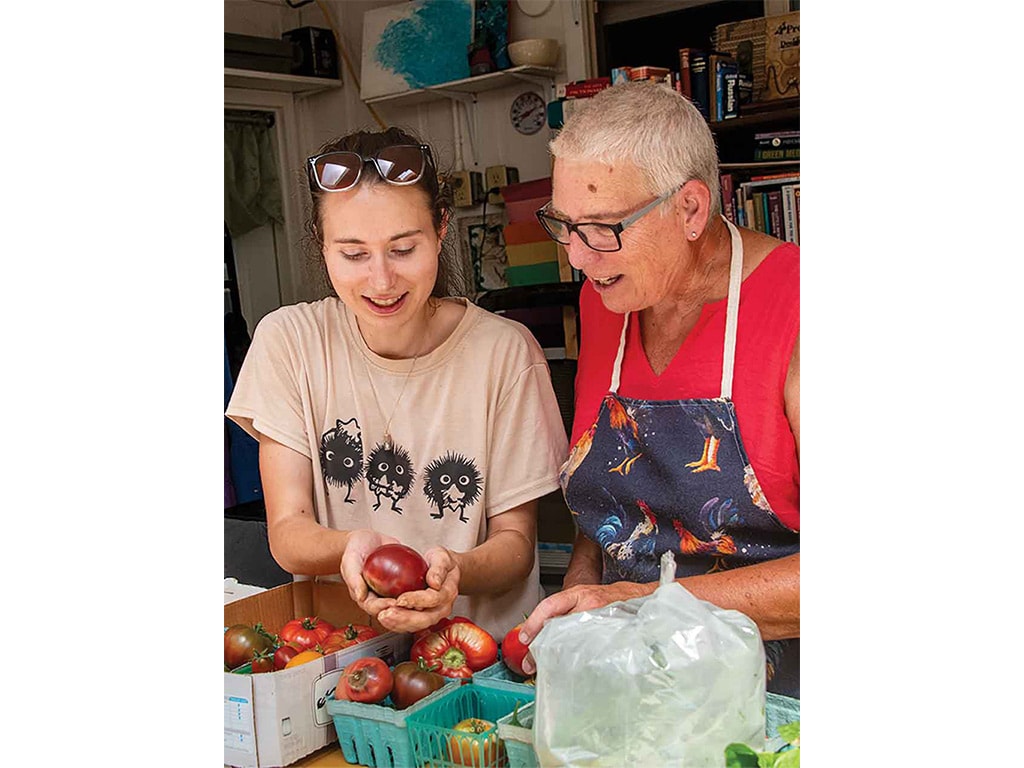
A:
(528, 113)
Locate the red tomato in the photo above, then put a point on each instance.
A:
(392, 569)
(283, 655)
(263, 663)
(243, 643)
(440, 625)
(466, 750)
(460, 649)
(350, 634)
(306, 632)
(513, 651)
(413, 681)
(368, 680)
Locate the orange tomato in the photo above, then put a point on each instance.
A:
(302, 658)
(480, 734)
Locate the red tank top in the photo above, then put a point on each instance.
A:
(767, 330)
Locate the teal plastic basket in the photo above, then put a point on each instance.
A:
(376, 734)
(519, 738)
(499, 676)
(779, 710)
(432, 727)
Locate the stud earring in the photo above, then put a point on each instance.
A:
(693, 235)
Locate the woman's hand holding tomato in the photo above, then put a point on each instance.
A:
(420, 609)
(360, 544)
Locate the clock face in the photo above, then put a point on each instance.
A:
(528, 113)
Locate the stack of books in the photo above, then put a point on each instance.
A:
(567, 96)
(769, 203)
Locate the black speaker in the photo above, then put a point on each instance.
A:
(314, 52)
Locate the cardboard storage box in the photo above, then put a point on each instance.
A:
(273, 719)
(768, 48)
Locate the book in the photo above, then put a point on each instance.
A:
(647, 73)
(796, 207)
(718, 65)
(759, 219)
(582, 88)
(699, 80)
(728, 199)
(789, 213)
(620, 75)
(731, 98)
(684, 73)
(749, 218)
(775, 213)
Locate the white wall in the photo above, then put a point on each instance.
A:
(326, 115)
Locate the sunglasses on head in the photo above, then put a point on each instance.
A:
(399, 164)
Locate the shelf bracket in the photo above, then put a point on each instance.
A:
(540, 82)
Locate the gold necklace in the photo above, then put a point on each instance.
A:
(388, 442)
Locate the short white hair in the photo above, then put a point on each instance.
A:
(649, 125)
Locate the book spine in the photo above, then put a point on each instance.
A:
(766, 214)
(684, 73)
(749, 216)
(731, 101)
(728, 200)
(775, 214)
(699, 81)
(796, 206)
(789, 213)
(586, 88)
(759, 223)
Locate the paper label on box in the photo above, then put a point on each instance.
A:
(323, 689)
(238, 727)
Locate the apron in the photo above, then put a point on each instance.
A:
(656, 475)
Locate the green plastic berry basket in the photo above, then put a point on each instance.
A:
(432, 729)
(519, 738)
(500, 676)
(376, 734)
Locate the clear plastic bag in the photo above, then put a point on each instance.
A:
(666, 680)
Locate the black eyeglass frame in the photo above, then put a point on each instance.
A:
(616, 229)
(314, 178)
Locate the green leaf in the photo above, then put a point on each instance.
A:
(791, 733)
(788, 759)
(741, 756)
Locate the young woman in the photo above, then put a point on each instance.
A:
(390, 411)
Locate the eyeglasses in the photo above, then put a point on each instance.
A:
(595, 235)
(399, 164)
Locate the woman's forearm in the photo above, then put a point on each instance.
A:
(301, 545)
(584, 565)
(496, 565)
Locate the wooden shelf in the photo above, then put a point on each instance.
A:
(766, 164)
(465, 88)
(786, 110)
(275, 81)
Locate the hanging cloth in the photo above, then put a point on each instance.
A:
(252, 187)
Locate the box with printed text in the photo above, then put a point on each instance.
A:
(273, 719)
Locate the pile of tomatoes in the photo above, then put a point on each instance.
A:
(299, 641)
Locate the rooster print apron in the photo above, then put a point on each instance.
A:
(656, 475)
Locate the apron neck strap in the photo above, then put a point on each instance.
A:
(732, 311)
(731, 319)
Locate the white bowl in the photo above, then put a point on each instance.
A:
(535, 52)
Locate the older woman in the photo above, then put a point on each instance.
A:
(687, 428)
(391, 411)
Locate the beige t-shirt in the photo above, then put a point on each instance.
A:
(477, 430)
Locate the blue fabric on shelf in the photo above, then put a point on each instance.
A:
(243, 453)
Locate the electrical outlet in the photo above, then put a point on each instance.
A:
(499, 176)
(468, 188)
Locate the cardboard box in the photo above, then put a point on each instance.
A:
(758, 45)
(276, 718)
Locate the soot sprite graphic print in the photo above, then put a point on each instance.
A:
(390, 474)
(452, 482)
(341, 456)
